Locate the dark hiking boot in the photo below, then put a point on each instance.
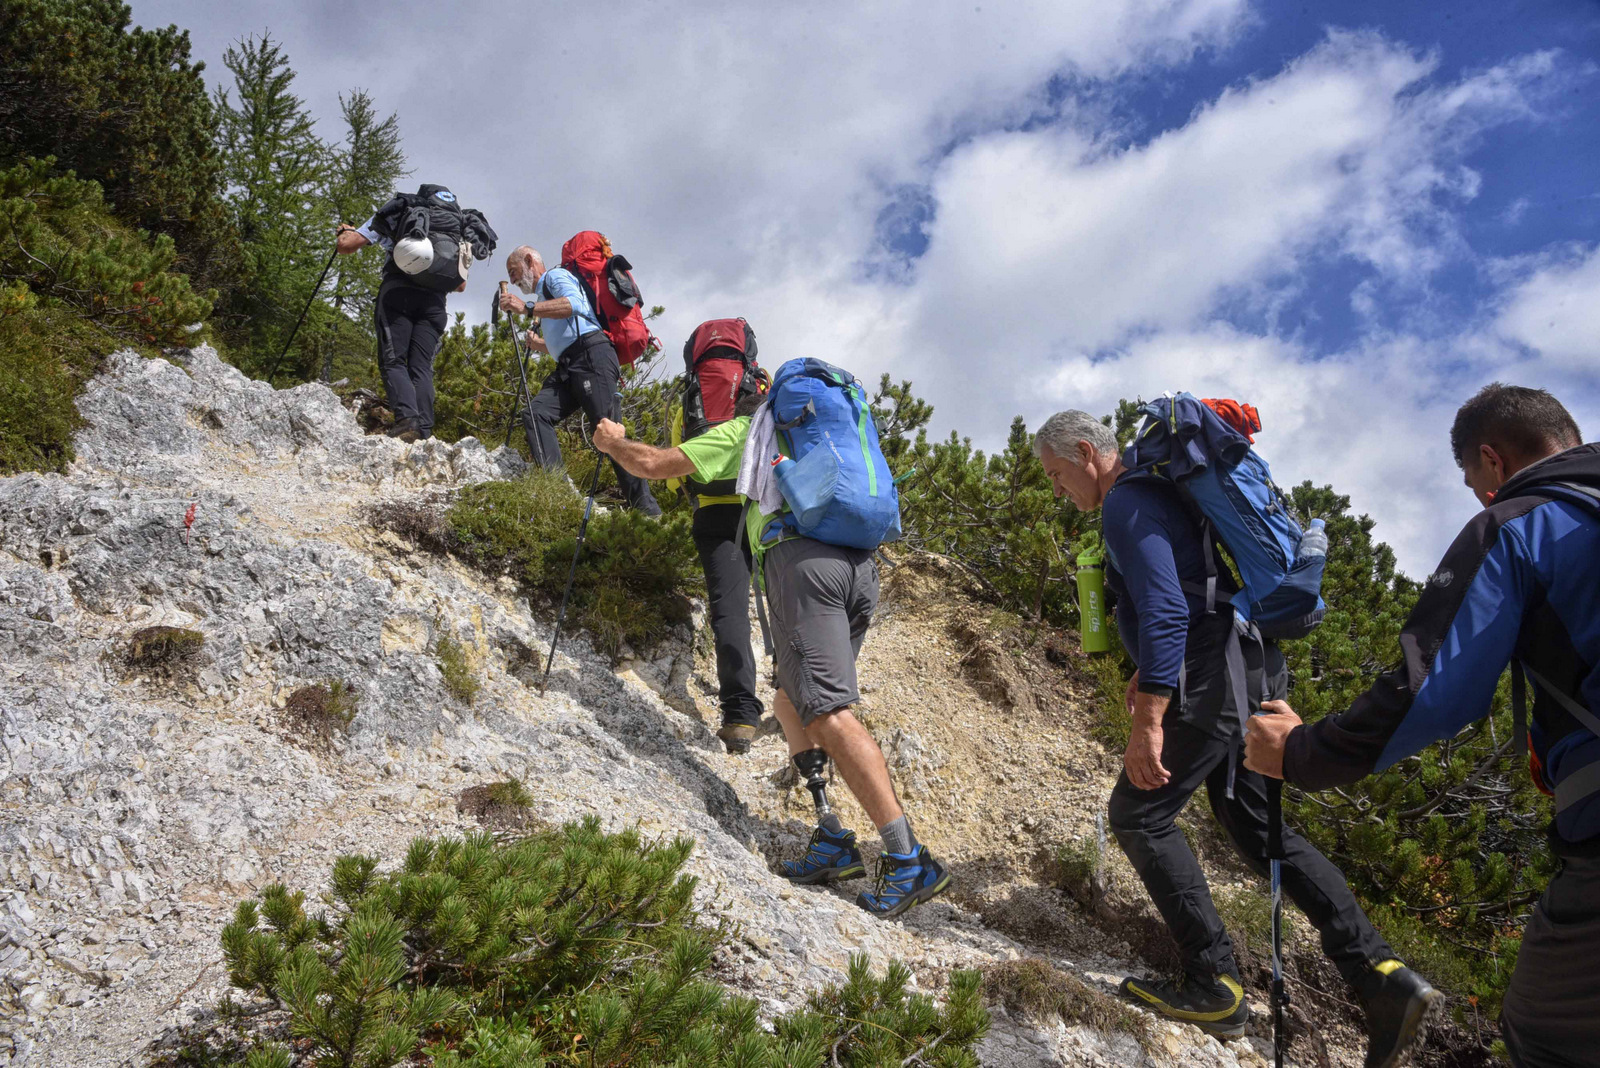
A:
(405, 430)
(736, 737)
(829, 857)
(904, 880)
(1398, 1003)
(1216, 1005)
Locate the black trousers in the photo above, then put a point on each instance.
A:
(1144, 822)
(410, 323)
(1551, 1014)
(586, 377)
(727, 566)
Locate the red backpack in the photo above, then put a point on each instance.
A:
(719, 368)
(607, 280)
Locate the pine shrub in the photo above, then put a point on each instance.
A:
(455, 664)
(567, 946)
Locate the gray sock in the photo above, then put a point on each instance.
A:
(832, 824)
(897, 836)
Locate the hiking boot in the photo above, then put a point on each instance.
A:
(407, 430)
(1398, 1003)
(828, 857)
(736, 737)
(1216, 1005)
(904, 880)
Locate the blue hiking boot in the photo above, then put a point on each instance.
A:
(828, 857)
(904, 879)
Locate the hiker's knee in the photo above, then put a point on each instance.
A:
(830, 729)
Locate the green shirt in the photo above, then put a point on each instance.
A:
(717, 454)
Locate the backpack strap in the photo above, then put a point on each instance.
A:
(757, 587)
(807, 412)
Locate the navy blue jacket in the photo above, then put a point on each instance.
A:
(1521, 580)
(1154, 547)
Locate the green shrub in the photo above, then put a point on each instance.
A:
(317, 713)
(569, 946)
(1111, 726)
(633, 579)
(456, 667)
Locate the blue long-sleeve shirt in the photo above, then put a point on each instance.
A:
(1155, 547)
(1521, 580)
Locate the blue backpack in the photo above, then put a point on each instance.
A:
(834, 478)
(1184, 441)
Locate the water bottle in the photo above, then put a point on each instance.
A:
(1092, 604)
(1314, 542)
(807, 485)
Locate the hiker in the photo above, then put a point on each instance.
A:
(1194, 669)
(1520, 585)
(431, 242)
(587, 374)
(822, 596)
(719, 370)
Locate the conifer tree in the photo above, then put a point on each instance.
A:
(273, 163)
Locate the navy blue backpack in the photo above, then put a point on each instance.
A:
(1184, 441)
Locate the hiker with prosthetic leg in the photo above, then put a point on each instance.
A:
(1520, 586)
(1202, 668)
(821, 595)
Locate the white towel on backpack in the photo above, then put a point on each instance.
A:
(756, 480)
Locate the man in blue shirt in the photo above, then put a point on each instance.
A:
(587, 373)
(1520, 585)
(1186, 733)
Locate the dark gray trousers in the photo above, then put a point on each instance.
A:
(1144, 822)
(1551, 1014)
(727, 566)
(410, 323)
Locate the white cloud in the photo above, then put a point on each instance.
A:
(1555, 312)
(740, 154)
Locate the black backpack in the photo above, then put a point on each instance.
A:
(458, 235)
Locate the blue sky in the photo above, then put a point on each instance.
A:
(1351, 214)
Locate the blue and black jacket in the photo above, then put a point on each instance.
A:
(1521, 582)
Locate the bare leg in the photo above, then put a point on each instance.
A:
(789, 720)
(860, 761)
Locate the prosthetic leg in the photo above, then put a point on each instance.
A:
(831, 854)
(811, 764)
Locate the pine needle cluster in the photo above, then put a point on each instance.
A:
(568, 947)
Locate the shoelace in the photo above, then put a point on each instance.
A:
(885, 866)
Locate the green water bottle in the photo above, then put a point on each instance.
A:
(1092, 603)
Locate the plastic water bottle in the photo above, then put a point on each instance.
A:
(1314, 542)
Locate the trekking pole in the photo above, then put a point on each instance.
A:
(520, 355)
(572, 569)
(323, 277)
(1280, 996)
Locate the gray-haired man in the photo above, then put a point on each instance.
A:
(1185, 734)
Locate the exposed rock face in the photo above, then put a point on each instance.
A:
(136, 810)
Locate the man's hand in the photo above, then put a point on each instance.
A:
(607, 434)
(511, 303)
(535, 342)
(1133, 690)
(1143, 757)
(1266, 736)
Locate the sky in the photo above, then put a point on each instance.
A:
(1351, 214)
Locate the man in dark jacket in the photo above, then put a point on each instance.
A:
(1520, 585)
(1186, 734)
(409, 312)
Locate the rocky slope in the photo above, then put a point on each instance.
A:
(135, 809)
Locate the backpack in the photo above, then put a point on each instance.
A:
(719, 369)
(833, 475)
(1204, 448)
(458, 236)
(607, 281)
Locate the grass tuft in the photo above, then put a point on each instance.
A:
(1039, 990)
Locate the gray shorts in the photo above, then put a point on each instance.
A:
(821, 598)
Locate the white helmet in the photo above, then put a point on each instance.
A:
(413, 254)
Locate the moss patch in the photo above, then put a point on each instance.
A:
(164, 652)
(1038, 990)
(315, 715)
